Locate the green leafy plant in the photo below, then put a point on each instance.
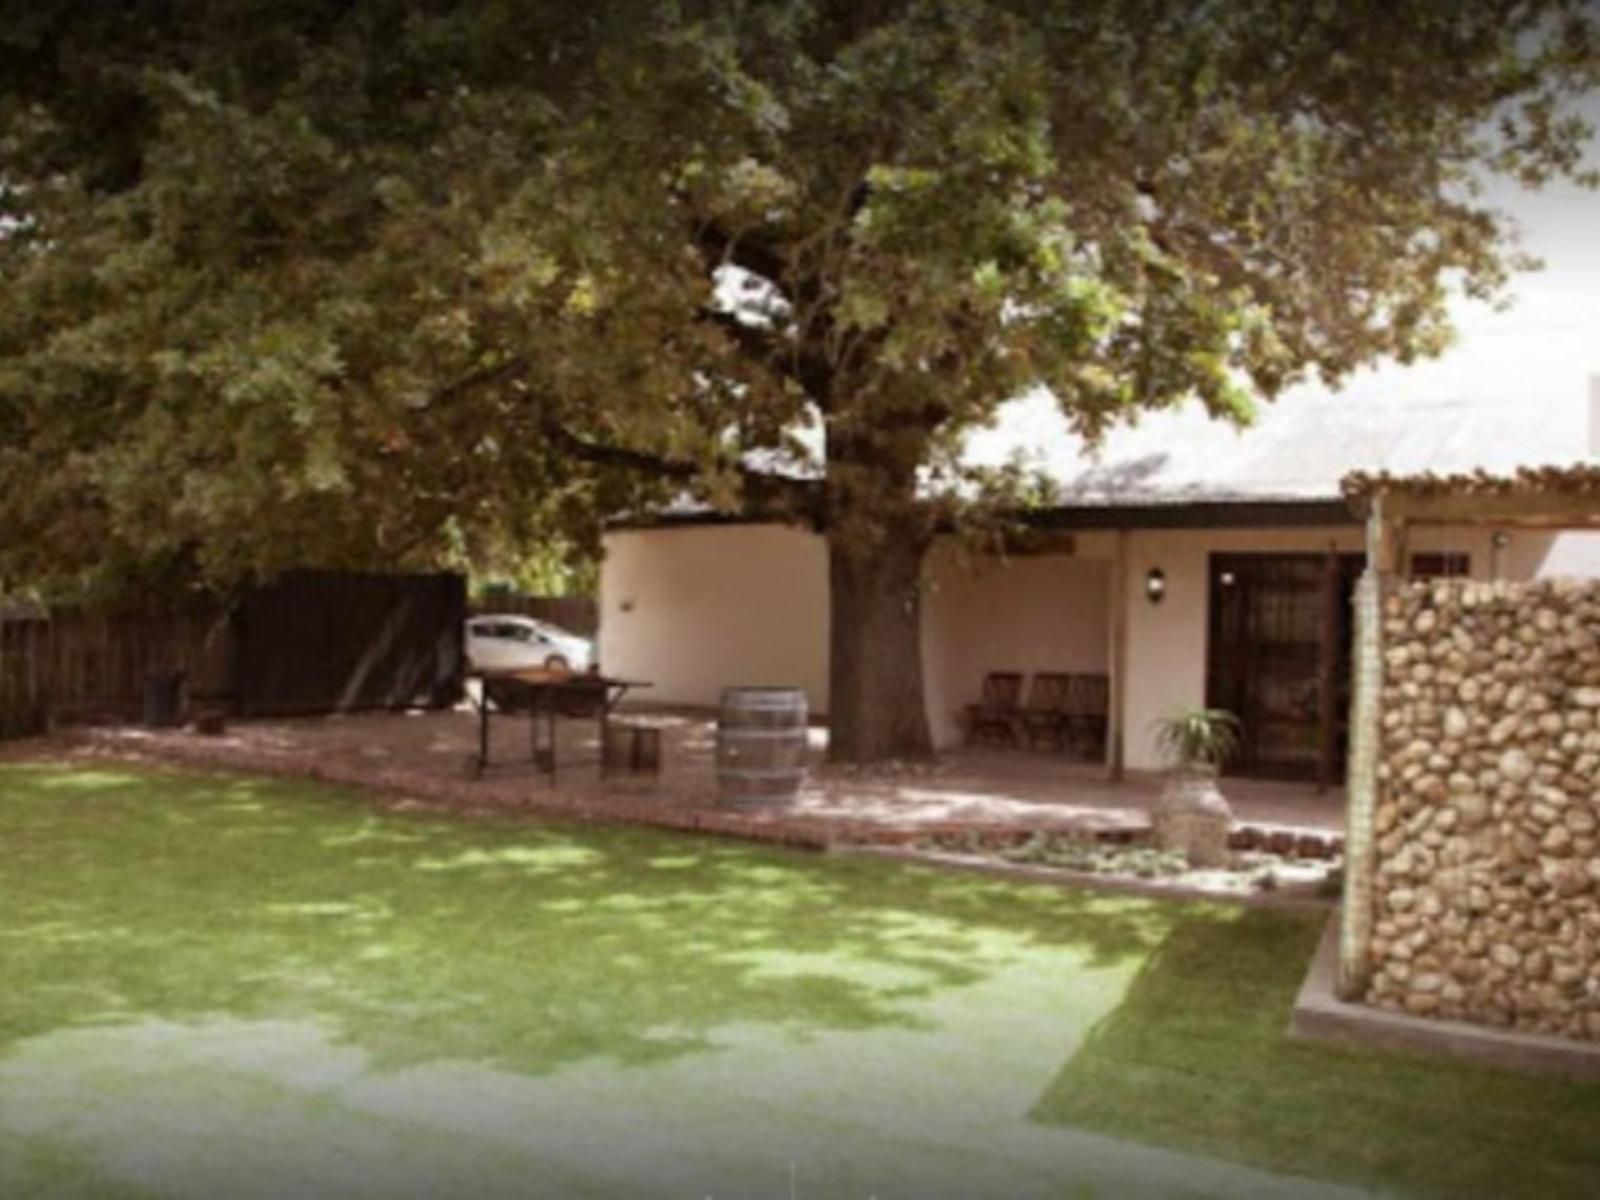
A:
(1198, 738)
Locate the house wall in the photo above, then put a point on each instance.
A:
(1167, 641)
(1530, 555)
(1034, 613)
(698, 608)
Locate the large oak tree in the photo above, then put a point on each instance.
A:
(372, 281)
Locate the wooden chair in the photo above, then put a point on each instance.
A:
(1088, 710)
(1044, 716)
(996, 715)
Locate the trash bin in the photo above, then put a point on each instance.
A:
(163, 698)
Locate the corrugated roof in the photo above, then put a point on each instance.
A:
(1298, 454)
(1303, 447)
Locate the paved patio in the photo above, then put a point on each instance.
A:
(427, 756)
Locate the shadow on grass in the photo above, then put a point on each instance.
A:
(131, 895)
(1197, 1057)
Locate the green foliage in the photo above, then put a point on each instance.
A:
(1203, 738)
(552, 568)
(390, 284)
(1088, 854)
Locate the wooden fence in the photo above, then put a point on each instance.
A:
(83, 665)
(311, 642)
(99, 663)
(24, 696)
(327, 641)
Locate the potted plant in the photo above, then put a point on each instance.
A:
(1192, 816)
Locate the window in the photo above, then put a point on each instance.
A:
(1442, 564)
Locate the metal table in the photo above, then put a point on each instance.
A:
(546, 694)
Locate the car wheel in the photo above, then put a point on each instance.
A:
(556, 662)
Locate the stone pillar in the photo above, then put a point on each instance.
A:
(1361, 787)
(1361, 772)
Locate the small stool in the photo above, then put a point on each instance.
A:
(633, 749)
(209, 712)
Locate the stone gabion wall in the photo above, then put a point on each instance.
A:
(1487, 862)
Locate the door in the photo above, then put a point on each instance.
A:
(1278, 658)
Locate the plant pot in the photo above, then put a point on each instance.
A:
(1193, 818)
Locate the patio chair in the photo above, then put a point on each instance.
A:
(996, 714)
(1044, 716)
(1087, 713)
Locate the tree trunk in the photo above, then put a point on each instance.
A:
(876, 711)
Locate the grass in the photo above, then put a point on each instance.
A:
(236, 987)
(1194, 1057)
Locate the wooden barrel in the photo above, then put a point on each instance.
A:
(761, 745)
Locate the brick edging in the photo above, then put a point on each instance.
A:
(677, 814)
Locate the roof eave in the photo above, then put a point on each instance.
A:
(1150, 513)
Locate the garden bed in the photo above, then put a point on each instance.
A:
(1262, 866)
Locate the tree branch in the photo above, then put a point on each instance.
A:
(766, 493)
(743, 250)
(784, 357)
(752, 339)
(503, 372)
(603, 455)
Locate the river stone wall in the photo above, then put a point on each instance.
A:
(1487, 856)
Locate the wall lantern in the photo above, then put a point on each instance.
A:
(1498, 541)
(1155, 585)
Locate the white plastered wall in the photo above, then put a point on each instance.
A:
(1167, 641)
(1047, 612)
(697, 608)
(1529, 555)
(702, 607)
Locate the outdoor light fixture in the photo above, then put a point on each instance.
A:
(1155, 585)
(1498, 541)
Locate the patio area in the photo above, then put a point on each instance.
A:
(428, 756)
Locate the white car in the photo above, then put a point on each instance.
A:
(518, 643)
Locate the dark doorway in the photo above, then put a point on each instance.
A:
(1278, 658)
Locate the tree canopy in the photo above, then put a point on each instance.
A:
(388, 282)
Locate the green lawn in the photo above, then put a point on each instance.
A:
(221, 988)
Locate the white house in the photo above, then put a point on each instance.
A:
(1191, 563)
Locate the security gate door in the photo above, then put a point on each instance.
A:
(1278, 658)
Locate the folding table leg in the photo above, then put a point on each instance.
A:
(551, 725)
(544, 756)
(483, 732)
